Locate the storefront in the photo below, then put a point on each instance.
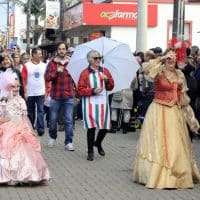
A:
(119, 20)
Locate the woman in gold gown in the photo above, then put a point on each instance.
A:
(164, 154)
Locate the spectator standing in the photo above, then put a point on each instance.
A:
(25, 58)
(16, 61)
(7, 64)
(62, 96)
(34, 84)
(94, 82)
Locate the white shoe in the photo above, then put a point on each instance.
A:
(69, 147)
(52, 142)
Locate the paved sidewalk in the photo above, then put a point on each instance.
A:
(109, 178)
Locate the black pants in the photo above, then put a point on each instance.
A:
(91, 138)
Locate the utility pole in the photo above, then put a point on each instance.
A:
(8, 24)
(62, 10)
(178, 19)
(28, 26)
(141, 37)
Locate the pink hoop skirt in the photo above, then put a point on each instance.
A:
(21, 160)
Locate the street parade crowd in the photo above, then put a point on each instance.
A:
(163, 99)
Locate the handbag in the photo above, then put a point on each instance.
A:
(117, 97)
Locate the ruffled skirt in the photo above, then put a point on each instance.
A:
(21, 160)
(164, 154)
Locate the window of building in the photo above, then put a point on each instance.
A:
(187, 31)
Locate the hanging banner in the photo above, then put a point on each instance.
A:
(11, 20)
(52, 14)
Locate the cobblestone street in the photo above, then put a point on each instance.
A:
(109, 178)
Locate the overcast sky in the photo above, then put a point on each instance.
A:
(3, 18)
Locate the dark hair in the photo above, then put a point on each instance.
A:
(14, 54)
(157, 50)
(35, 50)
(60, 43)
(188, 51)
(194, 50)
(141, 55)
(1, 58)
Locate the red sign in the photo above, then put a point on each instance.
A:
(116, 14)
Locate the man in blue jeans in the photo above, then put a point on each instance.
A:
(34, 87)
(62, 96)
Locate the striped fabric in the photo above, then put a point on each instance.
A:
(96, 113)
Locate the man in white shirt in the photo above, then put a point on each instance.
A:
(34, 87)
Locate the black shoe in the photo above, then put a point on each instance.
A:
(40, 134)
(90, 156)
(125, 128)
(112, 131)
(100, 149)
(124, 131)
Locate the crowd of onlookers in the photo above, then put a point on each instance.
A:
(128, 107)
(143, 86)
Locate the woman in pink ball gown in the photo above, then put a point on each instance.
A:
(21, 160)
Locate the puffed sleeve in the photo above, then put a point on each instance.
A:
(188, 112)
(152, 68)
(23, 107)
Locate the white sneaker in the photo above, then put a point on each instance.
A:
(69, 147)
(51, 142)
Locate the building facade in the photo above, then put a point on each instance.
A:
(118, 19)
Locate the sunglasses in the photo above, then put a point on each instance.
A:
(97, 58)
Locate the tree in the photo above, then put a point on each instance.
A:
(70, 3)
(37, 9)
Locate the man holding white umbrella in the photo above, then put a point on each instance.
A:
(94, 82)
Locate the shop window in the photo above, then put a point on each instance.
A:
(187, 31)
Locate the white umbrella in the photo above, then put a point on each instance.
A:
(117, 58)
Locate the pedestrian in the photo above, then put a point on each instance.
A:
(34, 86)
(143, 87)
(17, 61)
(93, 85)
(20, 150)
(122, 103)
(7, 65)
(164, 155)
(25, 57)
(62, 95)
